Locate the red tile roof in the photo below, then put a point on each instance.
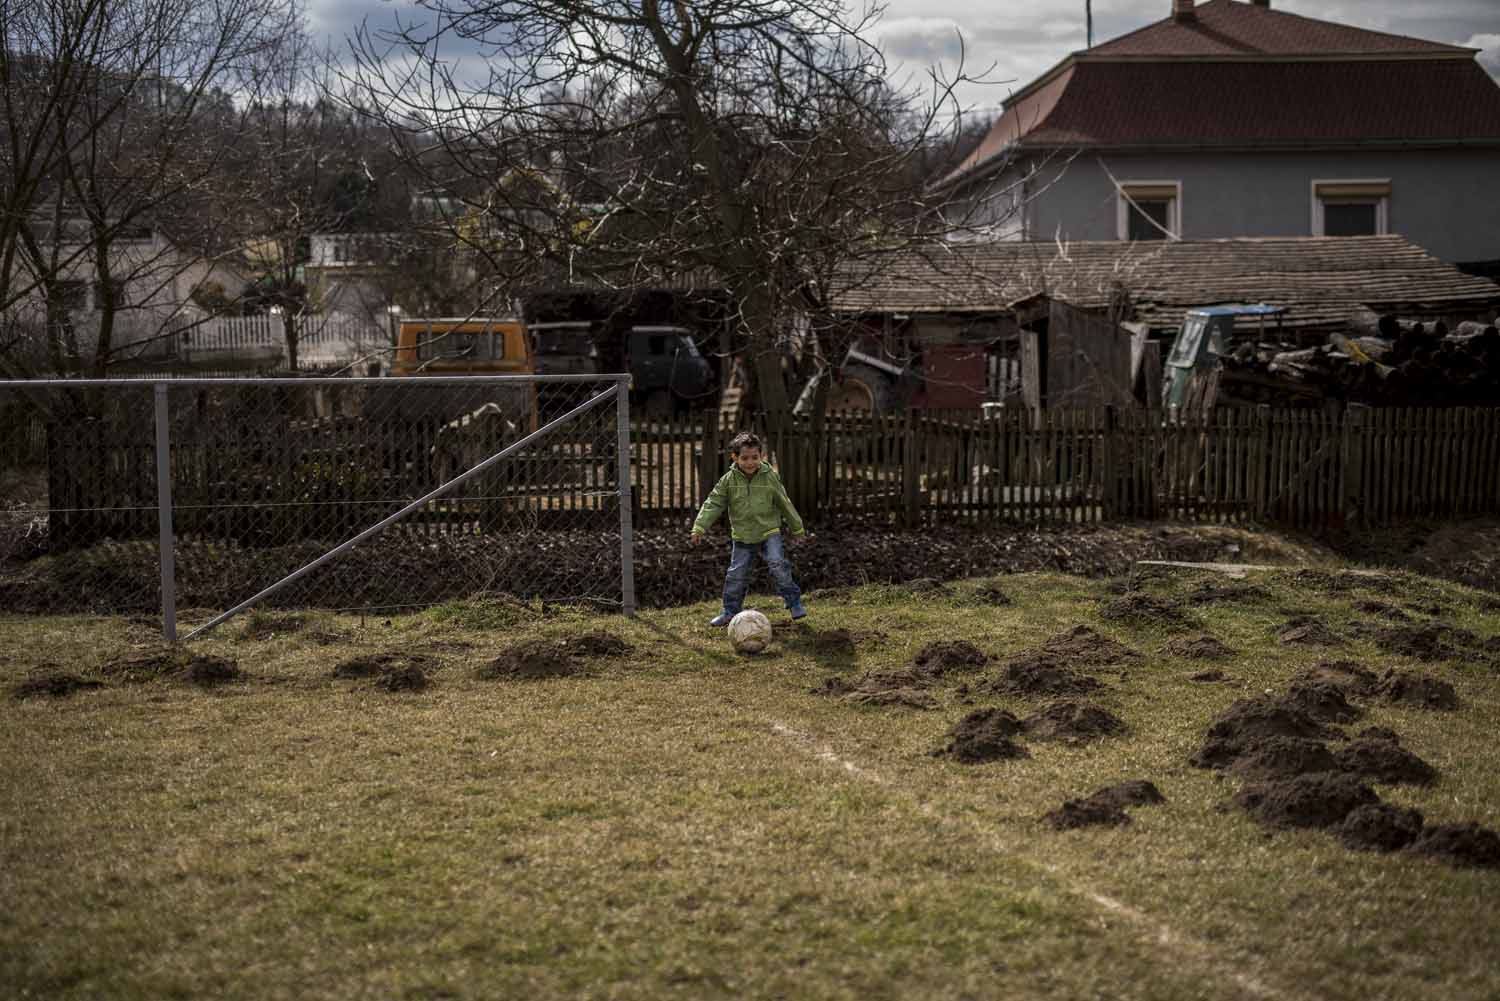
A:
(1227, 28)
(1242, 75)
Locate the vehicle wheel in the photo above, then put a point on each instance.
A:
(658, 405)
(863, 389)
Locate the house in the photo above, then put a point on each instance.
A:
(1229, 119)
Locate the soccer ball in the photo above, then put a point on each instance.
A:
(750, 631)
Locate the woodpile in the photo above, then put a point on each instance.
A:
(1387, 362)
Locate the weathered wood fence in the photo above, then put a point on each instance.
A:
(326, 479)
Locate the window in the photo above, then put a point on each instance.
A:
(111, 292)
(73, 294)
(1149, 210)
(1350, 208)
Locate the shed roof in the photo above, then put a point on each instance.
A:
(1320, 281)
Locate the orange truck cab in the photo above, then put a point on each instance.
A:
(466, 346)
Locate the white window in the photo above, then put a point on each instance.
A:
(1351, 207)
(1149, 210)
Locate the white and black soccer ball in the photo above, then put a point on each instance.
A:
(750, 631)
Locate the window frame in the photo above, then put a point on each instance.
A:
(1352, 190)
(1148, 190)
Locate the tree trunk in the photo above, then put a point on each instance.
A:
(289, 329)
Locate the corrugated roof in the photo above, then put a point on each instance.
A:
(1320, 280)
(1240, 74)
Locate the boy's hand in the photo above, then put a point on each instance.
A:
(797, 540)
(695, 538)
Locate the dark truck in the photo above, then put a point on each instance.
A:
(667, 371)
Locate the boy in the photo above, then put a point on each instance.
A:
(757, 501)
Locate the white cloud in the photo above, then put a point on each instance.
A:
(1489, 58)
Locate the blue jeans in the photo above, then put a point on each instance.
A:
(737, 578)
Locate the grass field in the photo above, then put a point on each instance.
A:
(685, 822)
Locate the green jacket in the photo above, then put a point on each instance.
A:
(756, 505)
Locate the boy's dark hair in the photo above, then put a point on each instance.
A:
(745, 439)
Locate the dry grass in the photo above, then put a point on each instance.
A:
(689, 823)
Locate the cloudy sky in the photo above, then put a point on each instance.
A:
(1015, 40)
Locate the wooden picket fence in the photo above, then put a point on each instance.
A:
(1298, 468)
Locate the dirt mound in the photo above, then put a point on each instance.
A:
(946, 657)
(1380, 760)
(1370, 606)
(1075, 813)
(983, 735)
(1465, 844)
(207, 670)
(1345, 675)
(832, 688)
(1307, 630)
(1145, 608)
(404, 679)
(1204, 677)
(903, 698)
(1248, 721)
(1321, 799)
(1428, 642)
(1411, 689)
(144, 666)
(53, 684)
(1075, 722)
(1083, 647)
(1136, 792)
(1379, 827)
(376, 664)
(1198, 648)
(1040, 674)
(596, 644)
(992, 595)
(1322, 701)
(1276, 758)
(532, 660)
(1207, 594)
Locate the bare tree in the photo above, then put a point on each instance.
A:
(119, 116)
(752, 145)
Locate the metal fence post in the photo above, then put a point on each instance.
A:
(164, 517)
(622, 447)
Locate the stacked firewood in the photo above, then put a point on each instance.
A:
(1387, 362)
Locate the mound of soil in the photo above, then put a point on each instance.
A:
(1306, 630)
(1429, 642)
(903, 698)
(375, 665)
(1322, 701)
(1136, 792)
(596, 644)
(1137, 607)
(1208, 676)
(1348, 677)
(1198, 648)
(1465, 844)
(1380, 760)
(404, 679)
(54, 684)
(532, 660)
(141, 667)
(1075, 722)
(1083, 647)
(1379, 827)
(1411, 689)
(1207, 594)
(1248, 721)
(1274, 758)
(1075, 813)
(983, 735)
(1041, 674)
(1372, 607)
(207, 670)
(992, 595)
(832, 688)
(1321, 799)
(946, 657)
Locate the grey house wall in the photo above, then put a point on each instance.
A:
(1446, 201)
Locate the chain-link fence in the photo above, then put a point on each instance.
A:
(348, 494)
